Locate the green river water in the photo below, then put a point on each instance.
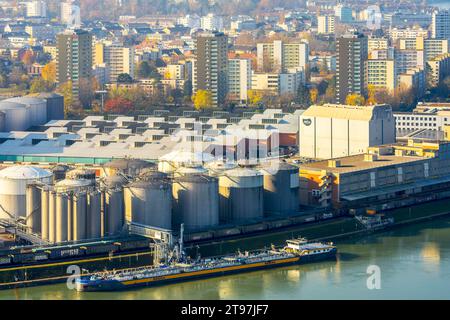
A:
(414, 263)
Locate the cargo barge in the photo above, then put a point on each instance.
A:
(296, 251)
(31, 266)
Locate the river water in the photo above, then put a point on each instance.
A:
(413, 262)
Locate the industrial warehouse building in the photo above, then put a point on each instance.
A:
(381, 173)
(332, 131)
(98, 139)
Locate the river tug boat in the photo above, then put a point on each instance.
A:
(181, 268)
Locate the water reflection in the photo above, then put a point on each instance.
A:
(415, 263)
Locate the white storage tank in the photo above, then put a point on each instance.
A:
(37, 109)
(13, 187)
(196, 201)
(131, 167)
(241, 195)
(112, 204)
(2, 121)
(74, 185)
(149, 202)
(17, 116)
(281, 188)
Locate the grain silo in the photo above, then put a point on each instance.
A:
(130, 167)
(17, 116)
(241, 195)
(13, 185)
(82, 174)
(179, 158)
(2, 121)
(196, 201)
(112, 204)
(45, 213)
(37, 109)
(281, 188)
(79, 216)
(52, 217)
(61, 220)
(68, 185)
(190, 170)
(33, 208)
(59, 172)
(217, 168)
(55, 105)
(149, 202)
(94, 219)
(76, 207)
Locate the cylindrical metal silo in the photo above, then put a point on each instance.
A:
(13, 184)
(241, 195)
(79, 208)
(52, 217)
(37, 109)
(112, 205)
(45, 214)
(59, 172)
(17, 116)
(131, 167)
(281, 188)
(94, 224)
(149, 202)
(2, 121)
(190, 170)
(55, 105)
(61, 217)
(33, 216)
(82, 174)
(196, 201)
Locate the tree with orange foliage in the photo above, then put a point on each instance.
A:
(314, 95)
(118, 105)
(28, 58)
(355, 99)
(49, 72)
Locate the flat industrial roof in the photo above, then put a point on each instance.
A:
(357, 163)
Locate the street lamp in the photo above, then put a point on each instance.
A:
(102, 93)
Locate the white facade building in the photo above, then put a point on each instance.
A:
(239, 79)
(36, 9)
(211, 22)
(332, 131)
(325, 24)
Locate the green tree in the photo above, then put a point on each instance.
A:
(38, 85)
(124, 78)
(66, 90)
(303, 97)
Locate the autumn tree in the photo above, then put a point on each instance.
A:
(66, 90)
(314, 95)
(28, 58)
(255, 97)
(38, 85)
(118, 105)
(49, 72)
(355, 99)
(202, 99)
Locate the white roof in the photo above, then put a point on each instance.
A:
(24, 172)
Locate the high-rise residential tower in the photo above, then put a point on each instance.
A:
(74, 58)
(210, 70)
(440, 24)
(350, 74)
